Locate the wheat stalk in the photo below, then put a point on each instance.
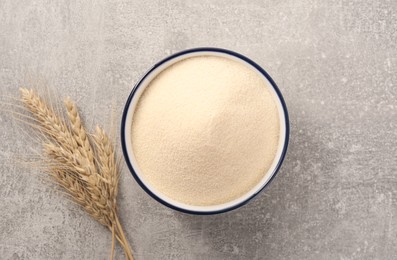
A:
(90, 176)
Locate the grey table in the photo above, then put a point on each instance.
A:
(335, 62)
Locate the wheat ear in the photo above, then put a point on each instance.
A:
(80, 134)
(49, 122)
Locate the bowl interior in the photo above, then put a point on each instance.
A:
(127, 128)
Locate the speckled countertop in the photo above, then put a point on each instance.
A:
(336, 64)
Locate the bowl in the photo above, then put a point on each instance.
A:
(127, 119)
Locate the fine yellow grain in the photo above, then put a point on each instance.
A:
(205, 130)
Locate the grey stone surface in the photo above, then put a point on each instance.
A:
(336, 64)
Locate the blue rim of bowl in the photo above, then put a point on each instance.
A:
(134, 90)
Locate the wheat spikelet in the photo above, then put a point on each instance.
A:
(90, 178)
